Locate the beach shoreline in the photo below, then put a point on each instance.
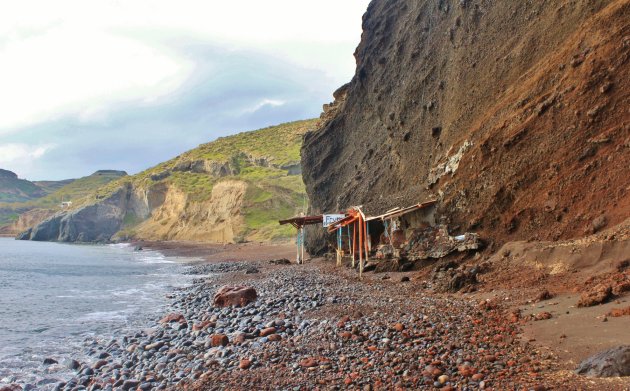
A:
(213, 252)
(318, 326)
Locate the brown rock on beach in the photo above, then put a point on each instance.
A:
(174, 317)
(238, 296)
(219, 340)
(598, 295)
(245, 364)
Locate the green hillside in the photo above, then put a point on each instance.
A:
(13, 189)
(52, 186)
(68, 190)
(260, 182)
(266, 159)
(78, 189)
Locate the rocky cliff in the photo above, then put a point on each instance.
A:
(233, 189)
(514, 115)
(16, 215)
(90, 223)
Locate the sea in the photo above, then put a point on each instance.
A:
(56, 299)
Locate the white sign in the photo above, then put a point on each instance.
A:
(332, 219)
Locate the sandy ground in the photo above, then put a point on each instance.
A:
(222, 252)
(574, 334)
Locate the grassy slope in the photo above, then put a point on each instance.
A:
(18, 190)
(52, 186)
(76, 190)
(272, 193)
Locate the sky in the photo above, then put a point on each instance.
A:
(126, 84)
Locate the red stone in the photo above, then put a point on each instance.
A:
(219, 340)
(245, 364)
(308, 362)
(239, 338)
(399, 327)
(234, 296)
(466, 370)
(202, 326)
(275, 337)
(267, 331)
(173, 318)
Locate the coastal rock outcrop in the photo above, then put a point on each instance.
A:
(97, 222)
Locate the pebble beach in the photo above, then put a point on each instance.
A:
(316, 327)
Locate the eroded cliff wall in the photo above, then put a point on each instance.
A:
(514, 115)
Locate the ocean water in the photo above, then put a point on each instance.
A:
(56, 298)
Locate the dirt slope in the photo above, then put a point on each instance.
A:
(513, 114)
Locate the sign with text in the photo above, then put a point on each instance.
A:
(331, 219)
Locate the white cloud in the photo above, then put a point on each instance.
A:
(80, 57)
(265, 103)
(21, 154)
(67, 70)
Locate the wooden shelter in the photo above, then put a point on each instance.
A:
(357, 227)
(299, 223)
(360, 241)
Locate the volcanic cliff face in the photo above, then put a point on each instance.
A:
(514, 115)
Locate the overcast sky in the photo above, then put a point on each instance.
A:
(126, 84)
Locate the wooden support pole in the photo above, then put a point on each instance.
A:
(349, 241)
(339, 246)
(297, 245)
(354, 242)
(303, 245)
(361, 246)
(367, 240)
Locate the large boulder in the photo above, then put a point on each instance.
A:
(234, 296)
(610, 363)
(599, 294)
